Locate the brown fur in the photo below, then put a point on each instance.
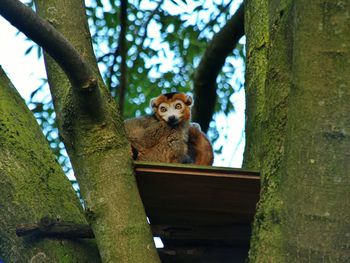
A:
(154, 140)
(199, 147)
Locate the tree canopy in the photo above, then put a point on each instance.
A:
(164, 44)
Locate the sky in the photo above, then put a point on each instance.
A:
(27, 71)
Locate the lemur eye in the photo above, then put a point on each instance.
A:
(178, 106)
(163, 109)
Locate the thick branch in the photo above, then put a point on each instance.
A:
(53, 42)
(46, 192)
(213, 60)
(49, 227)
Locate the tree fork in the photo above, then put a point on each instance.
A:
(99, 150)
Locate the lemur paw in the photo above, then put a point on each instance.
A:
(196, 125)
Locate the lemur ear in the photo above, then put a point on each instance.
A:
(152, 103)
(189, 100)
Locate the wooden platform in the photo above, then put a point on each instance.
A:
(202, 214)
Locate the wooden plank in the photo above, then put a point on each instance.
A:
(203, 254)
(209, 236)
(197, 195)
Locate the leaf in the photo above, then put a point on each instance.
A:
(39, 52)
(28, 50)
(34, 92)
(174, 2)
(99, 3)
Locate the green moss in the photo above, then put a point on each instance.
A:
(97, 147)
(33, 186)
(268, 80)
(298, 131)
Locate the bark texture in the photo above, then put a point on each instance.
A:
(317, 169)
(98, 148)
(33, 185)
(267, 89)
(298, 129)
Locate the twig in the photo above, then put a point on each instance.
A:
(217, 16)
(123, 51)
(145, 25)
(111, 71)
(101, 58)
(116, 53)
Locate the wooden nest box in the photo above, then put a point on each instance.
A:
(202, 214)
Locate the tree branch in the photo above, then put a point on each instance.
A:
(53, 42)
(116, 53)
(111, 71)
(50, 227)
(123, 51)
(204, 80)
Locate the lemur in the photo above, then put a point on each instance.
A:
(168, 134)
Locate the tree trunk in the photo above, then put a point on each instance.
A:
(298, 129)
(33, 186)
(267, 87)
(94, 136)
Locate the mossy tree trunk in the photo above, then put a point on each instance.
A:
(93, 133)
(298, 92)
(32, 186)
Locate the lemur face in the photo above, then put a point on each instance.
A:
(172, 112)
(173, 108)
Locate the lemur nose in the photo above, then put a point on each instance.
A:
(172, 118)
